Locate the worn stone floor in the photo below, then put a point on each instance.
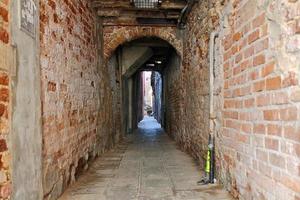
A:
(148, 166)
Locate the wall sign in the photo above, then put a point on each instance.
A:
(28, 16)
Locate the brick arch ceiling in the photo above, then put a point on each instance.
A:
(115, 36)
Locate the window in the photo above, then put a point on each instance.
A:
(146, 3)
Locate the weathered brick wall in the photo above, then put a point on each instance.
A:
(76, 93)
(174, 98)
(5, 174)
(188, 92)
(4, 21)
(260, 135)
(256, 95)
(196, 82)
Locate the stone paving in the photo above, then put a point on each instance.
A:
(148, 166)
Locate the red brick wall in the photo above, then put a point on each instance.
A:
(76, 96)
(256, 95)
(4, 21)
(260, 136)
(5, 176)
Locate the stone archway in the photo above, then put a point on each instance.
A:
(124, 36)
(115, 36)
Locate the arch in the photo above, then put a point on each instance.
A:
(116, 36)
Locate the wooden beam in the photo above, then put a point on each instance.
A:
(134, 23)
(111, 4)
(111, 21)
(122, 12)
(126, 5)
(138, 14)
(108, 13)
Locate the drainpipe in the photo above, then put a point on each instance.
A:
(213, 37)
(185, 12)
(212, 115)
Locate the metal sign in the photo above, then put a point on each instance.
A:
(28, 16)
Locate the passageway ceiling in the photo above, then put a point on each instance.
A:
(149, 54)
(123, 12)
(159, 59)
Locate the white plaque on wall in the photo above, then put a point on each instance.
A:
(28, 16)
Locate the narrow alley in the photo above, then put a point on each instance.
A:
(149, 99)
(147, 166)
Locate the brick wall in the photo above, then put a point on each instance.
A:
(188, 87)
(76, 93)
(196, 82)
(4, 22)
(256, 95)
(260, 135)
(5, 176)
(174, 98)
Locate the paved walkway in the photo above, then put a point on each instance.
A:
(148, 167)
